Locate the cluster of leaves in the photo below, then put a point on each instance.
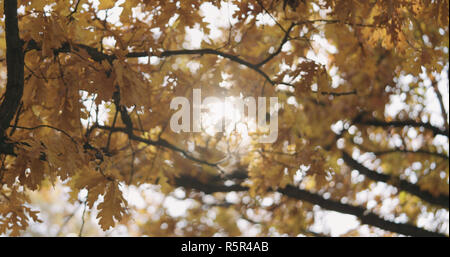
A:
(99, 77)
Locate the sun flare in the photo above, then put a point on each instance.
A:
(224, 116)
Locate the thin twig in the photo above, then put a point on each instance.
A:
(441, 103)
(80, 234)
(48, 126)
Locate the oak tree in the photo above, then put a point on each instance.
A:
(362, 86)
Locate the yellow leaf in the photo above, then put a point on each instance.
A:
(106, 4)
(112, 207)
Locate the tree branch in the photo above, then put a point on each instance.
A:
(50, 127)
(441, 200)
(365, 217)
(441, 104)
(160, 142)
(400, 124)
(419, 151)
(98, 56)
(218, 53)
(283, 41)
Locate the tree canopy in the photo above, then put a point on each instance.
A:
(85, 93)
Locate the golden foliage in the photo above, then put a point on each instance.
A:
(99, 80)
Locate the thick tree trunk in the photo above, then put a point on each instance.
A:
(15, 67)
(15, 73)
